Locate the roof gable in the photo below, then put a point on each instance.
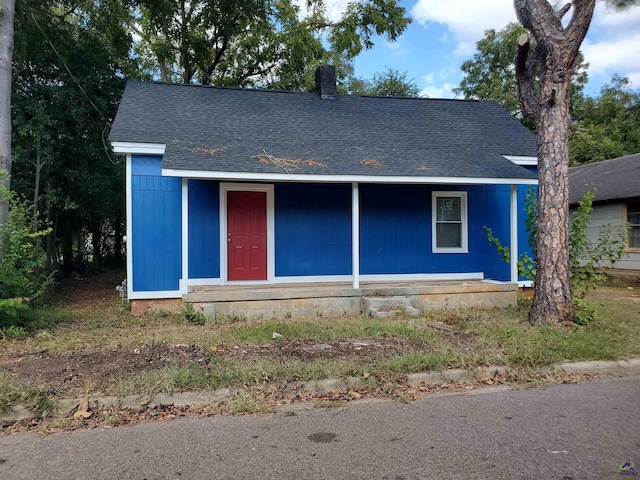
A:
(259, 131)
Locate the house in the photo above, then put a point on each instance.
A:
(616, 202)
(228, 188)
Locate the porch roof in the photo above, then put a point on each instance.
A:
(255, 134)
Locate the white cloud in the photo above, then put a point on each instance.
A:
(611, 45)
(428, 78)
(634, 78)
(615, 55)
(438, 91)
(466, 19)
(396, 48)
(436, 85)
(334, 8)
(616, 21)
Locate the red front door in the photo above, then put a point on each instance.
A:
(246, 235)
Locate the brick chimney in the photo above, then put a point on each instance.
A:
(326, 82)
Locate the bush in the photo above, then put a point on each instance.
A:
(190, 315)
(585, 257)
(23, 274)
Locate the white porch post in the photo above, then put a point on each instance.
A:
(184, 283)
(514, 234)
(355, 234)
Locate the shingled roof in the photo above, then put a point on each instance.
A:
(612, 179)
(217, 129)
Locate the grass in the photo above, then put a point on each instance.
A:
(244, 403)
(16, 392)
(470, 338)
(228, 373)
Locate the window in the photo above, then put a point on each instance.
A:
(633, 219)
(449, 214)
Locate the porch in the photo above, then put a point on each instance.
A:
(310, 300)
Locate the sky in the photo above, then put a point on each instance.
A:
(443, 34)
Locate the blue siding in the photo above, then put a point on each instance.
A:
(156, 224)
(204, 229)
(146, 165)
(312, 229)
(491, 208)
(395, 231)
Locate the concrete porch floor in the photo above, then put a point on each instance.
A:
(311, 300)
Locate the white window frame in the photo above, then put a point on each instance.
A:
(630, 225)
(464, 220)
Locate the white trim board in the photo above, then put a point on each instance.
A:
(271, 250)
(155, 295)
(129, 226)
(184, 287)
(393, 277)
(138, 148)
(522, 160)
(355, 234)
(513, 237)
(293, 177)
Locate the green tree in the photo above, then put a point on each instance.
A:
(70, 61)
(256, 42)
(607, 126)
(389, 83)
(490, 74)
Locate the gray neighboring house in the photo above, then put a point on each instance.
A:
(616, 201)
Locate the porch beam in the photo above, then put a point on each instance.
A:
(514, 234)
(355, 234)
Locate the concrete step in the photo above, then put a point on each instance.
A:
(377, 307)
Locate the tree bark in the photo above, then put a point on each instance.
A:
(552, 296)
(7, 11)
(547, 101)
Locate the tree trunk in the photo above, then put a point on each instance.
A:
(7, 10)
(552, 297)
(547, 100)
(95, 243)
(117, 227)
(36, 188)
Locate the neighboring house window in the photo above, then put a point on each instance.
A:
(633, 219)
(449, 217)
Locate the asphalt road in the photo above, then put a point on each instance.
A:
(565, 432)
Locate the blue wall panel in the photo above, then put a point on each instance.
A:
(146, 165)
(395, 231)
(204, 229)
(312, 229)
(157, 225)
(491, 207)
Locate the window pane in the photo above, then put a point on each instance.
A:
(633, 208)
(634, 237)
(449, 209)
(448, 235)
(634, 218)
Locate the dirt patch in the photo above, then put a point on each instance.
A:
(83, 367)
(96, 367)
(86, 293)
